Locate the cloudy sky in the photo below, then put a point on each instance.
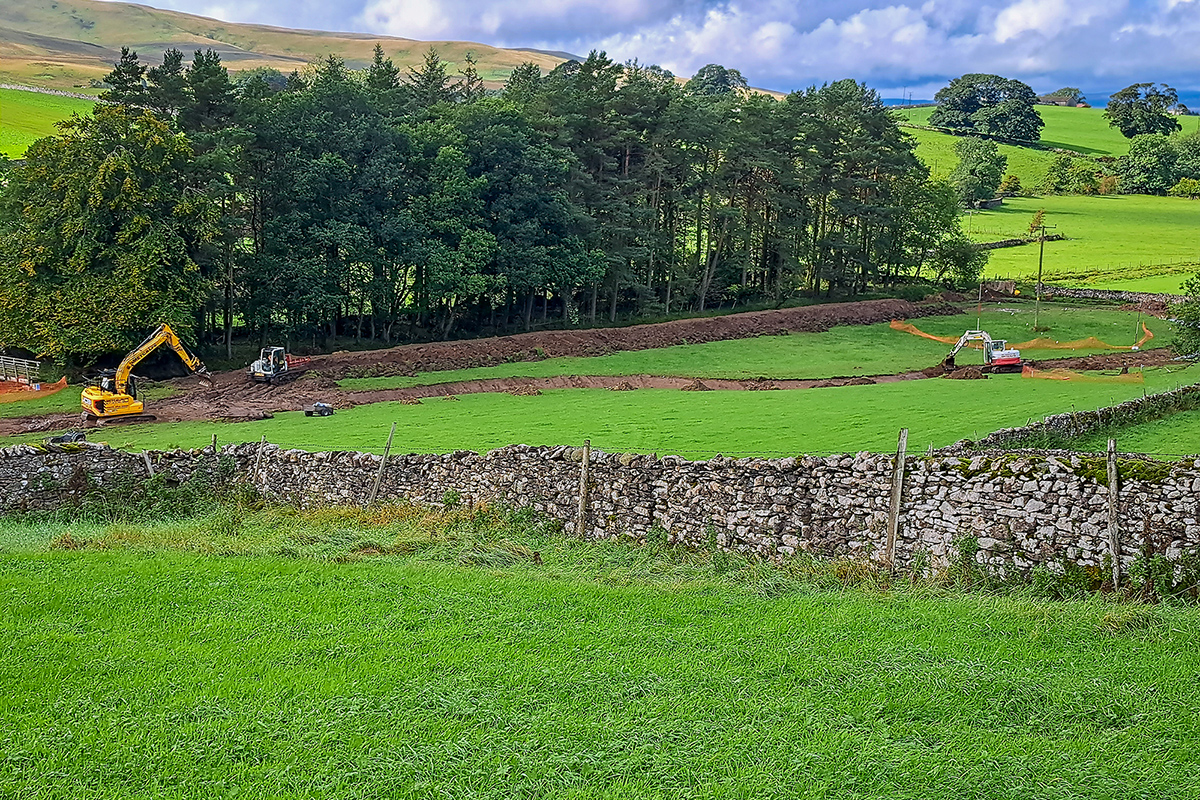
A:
(1099, 45)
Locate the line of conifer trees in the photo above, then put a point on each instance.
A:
(386, 205)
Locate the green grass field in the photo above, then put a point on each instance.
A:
(1135, 239)
(694, 424)
(1171, 437)
(840, 352)
(936, 151)
(28, 116)
(463, 669)
(1083, 130)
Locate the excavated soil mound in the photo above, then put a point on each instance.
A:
(1143, 358)
(623, 386)
(528, 390)
(410, 401)
(696, 386)
(936, 371)
(1152, 308)
(966, 374)
(859, 381)
(409, 359)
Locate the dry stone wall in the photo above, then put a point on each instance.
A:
(1019, 509)
(1110, 294)
(1080, 423)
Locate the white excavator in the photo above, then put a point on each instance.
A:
(997, 355)
(275, 365)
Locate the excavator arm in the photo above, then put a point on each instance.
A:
(969, 336)
(161, 335)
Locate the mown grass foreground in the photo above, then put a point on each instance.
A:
(460, 666)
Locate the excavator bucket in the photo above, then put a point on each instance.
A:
(205, 377)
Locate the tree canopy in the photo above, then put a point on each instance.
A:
(980, 169)
(386, 206)
(1143, 109)
(100, 232)
(988, 105)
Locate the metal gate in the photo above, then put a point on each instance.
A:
(20, 370)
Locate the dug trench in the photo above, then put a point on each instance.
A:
(233, 398)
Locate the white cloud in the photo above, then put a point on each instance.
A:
(1048, 17)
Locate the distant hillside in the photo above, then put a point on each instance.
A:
(65, 44)
(1081, 129)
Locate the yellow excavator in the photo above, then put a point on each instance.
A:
(115, 398)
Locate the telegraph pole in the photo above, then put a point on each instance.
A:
(1037, 303)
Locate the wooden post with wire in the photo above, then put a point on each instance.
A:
(893, 526)
(387, 449)
(1037, 303)
(585, 479)
(1114, 514)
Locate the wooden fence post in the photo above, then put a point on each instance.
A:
(387, 448)
(262, 443)
(149, 465)
(585, 477)
(1114, 514)
(893, 527)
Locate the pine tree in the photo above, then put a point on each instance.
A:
(168, 84)
(470, 88)
(127, 81)
(429, 82)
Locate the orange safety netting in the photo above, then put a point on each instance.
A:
(11, 392)
(1041, 343)
(1070, 375)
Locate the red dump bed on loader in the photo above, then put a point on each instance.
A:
(298, 362)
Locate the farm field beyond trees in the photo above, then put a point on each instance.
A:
(601, 671)
(1135, 239)
(28, 116)
(936, 151)
(1084, 130)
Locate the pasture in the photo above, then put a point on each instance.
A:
(1138, 240)
(1084, 130)
(936, 151)
(187, 658)
(938, 412)
(28, 116)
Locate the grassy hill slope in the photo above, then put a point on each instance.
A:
(26, 116)
(1081, 129)
(66, 43)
